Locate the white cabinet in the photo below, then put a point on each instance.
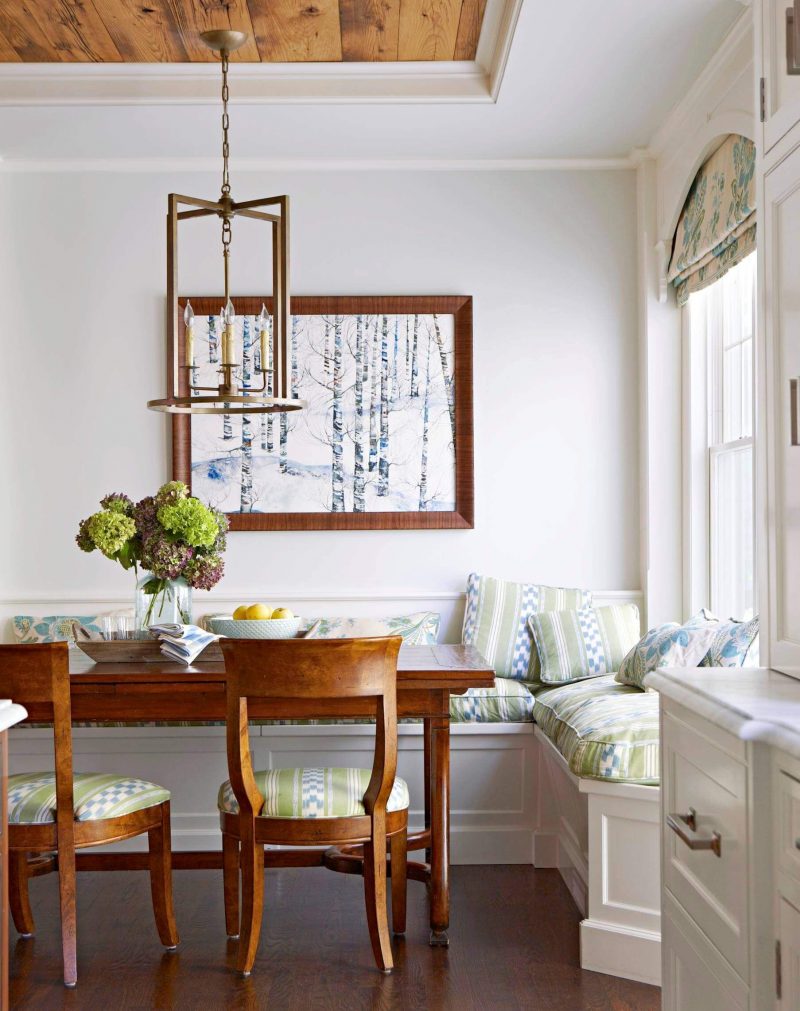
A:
(730, 839)
(781, 100)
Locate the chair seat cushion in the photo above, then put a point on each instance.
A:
(313, 793)
(603, 729)
(96, 795)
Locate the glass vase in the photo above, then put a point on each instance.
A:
(160, 600)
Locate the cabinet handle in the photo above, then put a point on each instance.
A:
(794, 398)
(685, 828)
(793, 38)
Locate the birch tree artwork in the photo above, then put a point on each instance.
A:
(378, 432)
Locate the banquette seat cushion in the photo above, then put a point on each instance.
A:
(603, 729)
(96, 795)
(313, 793)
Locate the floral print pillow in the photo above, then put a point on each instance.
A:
(53, 627)
(669, 645)
(735, 643)
(419, 629)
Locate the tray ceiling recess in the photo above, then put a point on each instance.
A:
(67, 52)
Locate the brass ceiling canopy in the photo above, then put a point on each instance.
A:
(230, 395)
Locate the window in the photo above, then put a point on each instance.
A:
(722, 327)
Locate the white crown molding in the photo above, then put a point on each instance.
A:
(243, 165)
(62, 84)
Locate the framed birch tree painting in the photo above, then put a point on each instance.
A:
(385, 441)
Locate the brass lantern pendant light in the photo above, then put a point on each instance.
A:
(227, 397)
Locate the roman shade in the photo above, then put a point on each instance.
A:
(717, 226)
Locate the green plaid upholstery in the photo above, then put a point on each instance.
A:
(313, 793)
(496, 621)
(603, 729)
(96, 795)
(507, 702)
(585, 643)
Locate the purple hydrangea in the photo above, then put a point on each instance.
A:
(117, 502)
(163, 557)
(145, 513)
(203, 572)
(84, 538)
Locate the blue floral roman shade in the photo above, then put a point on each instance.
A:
(717, 226)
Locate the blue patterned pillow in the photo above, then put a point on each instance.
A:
(735, 643)
(53, 627)
(669, 645)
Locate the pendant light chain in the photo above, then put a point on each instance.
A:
(226, 183)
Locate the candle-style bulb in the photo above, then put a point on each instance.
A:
(230, 313)
(263, 318)
(188, 315)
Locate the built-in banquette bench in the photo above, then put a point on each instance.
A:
(577, 789)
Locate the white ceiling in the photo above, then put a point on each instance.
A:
(583, 80)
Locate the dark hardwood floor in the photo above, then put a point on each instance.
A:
(514, 944)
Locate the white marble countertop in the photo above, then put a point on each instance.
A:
(755, 704)
(10, 713)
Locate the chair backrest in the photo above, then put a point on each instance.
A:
(37, 675)
(301, 670)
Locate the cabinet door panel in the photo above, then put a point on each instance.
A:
(781, 251)
(782, 98)
(789, 934)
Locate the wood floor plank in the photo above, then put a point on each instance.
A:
(370, 29)
(20, 26)
(469, 29)
(8, 53)
(144, 32)
(195, 16)
(513, 947)
(297, 31)
(428, 29)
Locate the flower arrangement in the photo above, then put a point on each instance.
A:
(171, 534)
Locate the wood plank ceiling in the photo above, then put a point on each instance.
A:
(281, 31)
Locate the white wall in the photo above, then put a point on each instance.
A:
(550, 258)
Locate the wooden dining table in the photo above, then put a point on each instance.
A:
(426, 678)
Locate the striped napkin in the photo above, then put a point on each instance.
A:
(183, 643)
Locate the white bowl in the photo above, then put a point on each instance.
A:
(268, 628)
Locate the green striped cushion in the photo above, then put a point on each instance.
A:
(603, 729)
(583, 644)
(496, 620)
(313, 793)
(507, 702)
(96, 795)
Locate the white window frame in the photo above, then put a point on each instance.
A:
(700, 454)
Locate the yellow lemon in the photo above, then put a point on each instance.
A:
(282, 612)
(258, 612)
(240, 614)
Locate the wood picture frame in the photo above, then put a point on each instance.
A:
(458, 307)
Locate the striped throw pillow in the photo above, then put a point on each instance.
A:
(496, 620)
(573, 645)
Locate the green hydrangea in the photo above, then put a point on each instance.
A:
(171, 493)
(110, 531)
(190, 521)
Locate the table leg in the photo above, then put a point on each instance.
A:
(426, 729)
(440, 830)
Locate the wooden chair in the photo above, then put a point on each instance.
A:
(313, 807)
(59, 812)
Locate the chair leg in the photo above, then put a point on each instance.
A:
(375, 896)
(69, 914)
(230, 883)
(252, 859)
(160, 844)
(399, 850)
(18, 898)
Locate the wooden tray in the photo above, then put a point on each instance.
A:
(138, 651)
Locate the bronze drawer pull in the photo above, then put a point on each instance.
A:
(685, 828)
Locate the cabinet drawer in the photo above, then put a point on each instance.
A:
(788, 804)
(694, 976)
(710, 884)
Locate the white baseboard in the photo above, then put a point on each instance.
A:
(631, 954)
